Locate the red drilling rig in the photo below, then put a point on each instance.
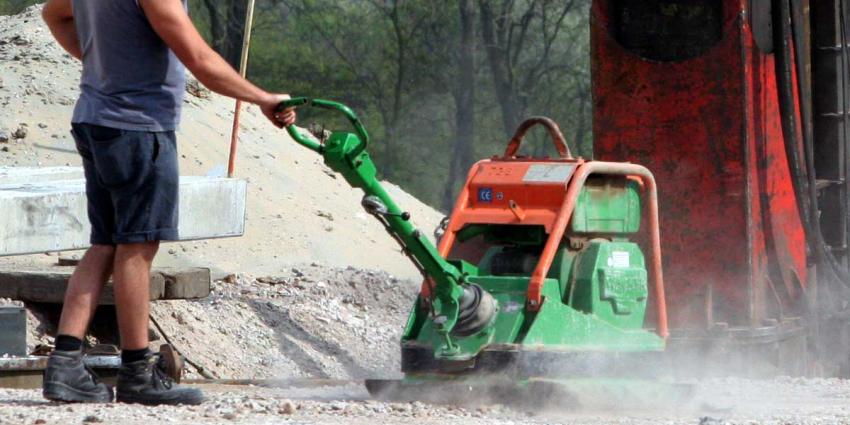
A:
(739, 107)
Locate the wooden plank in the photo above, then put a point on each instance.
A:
(181, 284)
(49, 286)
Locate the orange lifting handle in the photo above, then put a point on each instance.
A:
(554, 131)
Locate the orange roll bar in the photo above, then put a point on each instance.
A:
(535, 286)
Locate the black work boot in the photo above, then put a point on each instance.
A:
(145, 382)
(68, 379)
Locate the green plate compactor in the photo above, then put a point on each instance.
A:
(536, 285)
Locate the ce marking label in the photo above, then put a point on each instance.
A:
(486, 194)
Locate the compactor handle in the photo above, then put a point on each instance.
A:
(324, 104)
(554, 131)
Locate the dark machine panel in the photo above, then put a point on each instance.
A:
(668, 30)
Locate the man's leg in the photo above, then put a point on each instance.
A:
(132, 268)
(141, 378)
(66, 378)
(84, 288)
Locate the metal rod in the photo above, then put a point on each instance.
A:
(279, 383)
(243, 71)
(200, 369)
(554, 132)
(845, 127)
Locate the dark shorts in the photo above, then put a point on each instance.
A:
(132, 183)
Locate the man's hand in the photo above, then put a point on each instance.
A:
(59, 17)
(280, 119)
(170, 21)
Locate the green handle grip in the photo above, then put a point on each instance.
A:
(330, 105)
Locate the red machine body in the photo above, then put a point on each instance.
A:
(689, 93)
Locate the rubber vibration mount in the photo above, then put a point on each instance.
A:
(477, 308)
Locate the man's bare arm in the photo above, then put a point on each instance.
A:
(59, 17)
(171, 22)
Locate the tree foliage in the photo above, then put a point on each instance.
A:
(10, 7)
(439, 83)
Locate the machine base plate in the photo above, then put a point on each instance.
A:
(535, 393)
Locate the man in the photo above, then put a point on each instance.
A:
(123, 124)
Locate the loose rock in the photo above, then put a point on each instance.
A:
(287, 407)
(195, 88)
(21, 132)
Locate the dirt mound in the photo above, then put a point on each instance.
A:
(298, 210)
(309, 322)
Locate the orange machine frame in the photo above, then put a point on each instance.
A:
(549, 205)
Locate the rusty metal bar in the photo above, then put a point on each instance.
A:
(234, 139)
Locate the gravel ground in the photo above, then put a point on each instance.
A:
(782, 401)
(252, 405)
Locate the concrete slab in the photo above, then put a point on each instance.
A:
(50, 215)
(49, 286)
(31, 175)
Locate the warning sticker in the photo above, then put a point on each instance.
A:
(619, 260)
(549, 173)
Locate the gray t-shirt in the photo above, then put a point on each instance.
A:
(131, 79)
